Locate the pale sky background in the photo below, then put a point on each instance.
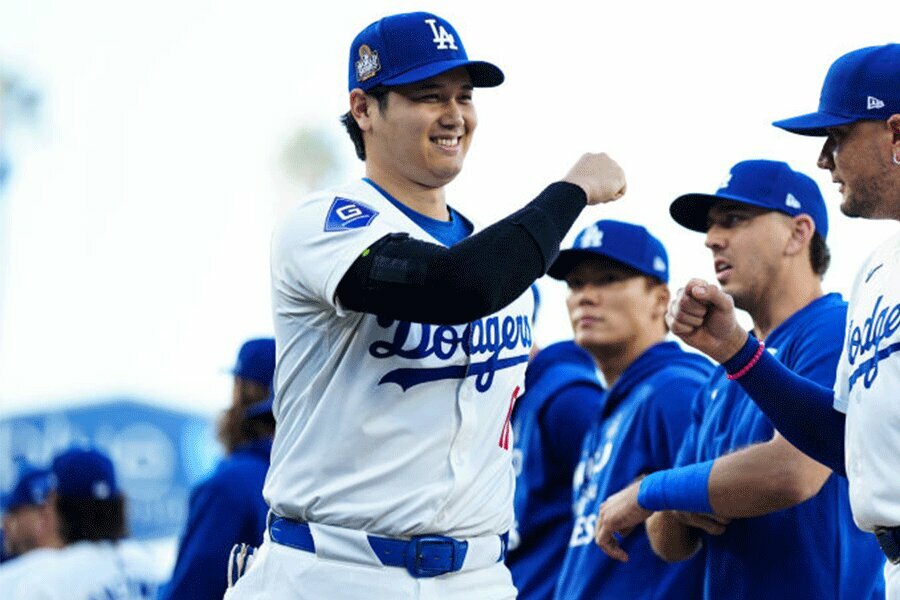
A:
(139, 213)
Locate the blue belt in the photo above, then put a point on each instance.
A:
(422, 555)
(889, 540)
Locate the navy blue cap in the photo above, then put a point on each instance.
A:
(256, 361)
(261, 408)
(85, 473)
(629, 244)
(32, 487)
(767, 184)
(863, 84)
(410, 47)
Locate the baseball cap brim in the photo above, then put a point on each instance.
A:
(814, 124)
(483, 74)
(569, 259)
(692, 210)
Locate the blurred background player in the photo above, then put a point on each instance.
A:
(29, 520)
(781, 528)
(228, 508)
(617, 274)
(30, 525)
(96, 561)
(562, 397)
(859, 114)
(403, 337)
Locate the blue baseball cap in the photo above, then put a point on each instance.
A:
(32, 487)
(256, 361)
(85, 473)
(632, 245)
(261, 409)
(863, 84)
(768, 184)
(410, 47)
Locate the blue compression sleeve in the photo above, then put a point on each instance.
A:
(682, 488)
(801, 410)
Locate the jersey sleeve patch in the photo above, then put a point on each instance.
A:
(347, 214)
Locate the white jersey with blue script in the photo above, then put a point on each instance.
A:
(812, 550)
(385, 426)
(645, 416)
(867, 389)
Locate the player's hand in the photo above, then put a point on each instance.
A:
(619, 514)
(703, 316)
(711, 524)
(601, 178)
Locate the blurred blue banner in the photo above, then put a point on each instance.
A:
(159, 454)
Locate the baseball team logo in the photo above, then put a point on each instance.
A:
(489, 336)
(881, 325)
(443, 39)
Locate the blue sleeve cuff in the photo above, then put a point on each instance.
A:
(682, 488)
(740, 360)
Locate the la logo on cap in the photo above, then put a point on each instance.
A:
(442, 38)
(593, 238)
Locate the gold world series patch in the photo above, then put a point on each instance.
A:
(368, 64)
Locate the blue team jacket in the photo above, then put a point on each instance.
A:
(640, 430)
(810, 551)
(561, 379)
(225, 509)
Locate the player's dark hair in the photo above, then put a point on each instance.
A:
(819, 254)
(234, 428)
(380, 93)
(87, 519)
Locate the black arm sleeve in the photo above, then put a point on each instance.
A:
(412, 280)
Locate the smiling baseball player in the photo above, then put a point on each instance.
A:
(402, 337)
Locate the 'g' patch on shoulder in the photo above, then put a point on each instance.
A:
(347, 214)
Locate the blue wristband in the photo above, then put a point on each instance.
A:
(682, 488)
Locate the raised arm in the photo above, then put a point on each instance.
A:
(403, 278)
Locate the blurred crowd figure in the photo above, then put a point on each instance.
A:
(228, 507)
(67, 528)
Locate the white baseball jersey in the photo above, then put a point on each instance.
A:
(91, 570)
(867, 389)
(33, 561)
(384, 426)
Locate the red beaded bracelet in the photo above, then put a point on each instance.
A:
(749, 365)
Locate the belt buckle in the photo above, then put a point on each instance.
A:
(416, 555)
(887, 539)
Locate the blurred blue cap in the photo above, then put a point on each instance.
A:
(410, 47)
(629, 244)
(32, 487)
(256, 361)
(85, 473)
(863, 84)
(768, 184)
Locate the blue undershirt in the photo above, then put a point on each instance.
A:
(447, 233)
